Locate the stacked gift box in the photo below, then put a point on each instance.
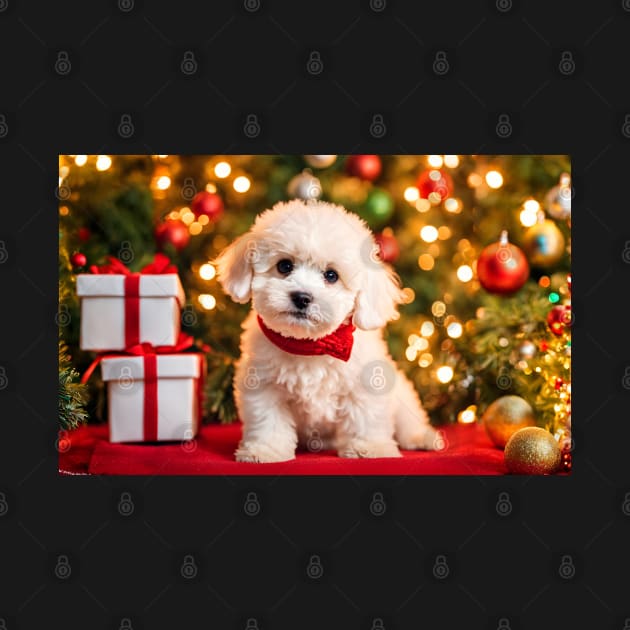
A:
(154, 388)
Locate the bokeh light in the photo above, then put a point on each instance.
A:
(428, 234)
(103, 162)
(464, 273)
(494, 179)
(452, 161)
(222, 170)
(207, 271)
(426, 262)
(411, 194)
(207, 301)
(241, 184)
(444, 374)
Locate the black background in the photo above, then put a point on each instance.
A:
(378, 59)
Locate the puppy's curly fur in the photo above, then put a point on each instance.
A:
(364, 407)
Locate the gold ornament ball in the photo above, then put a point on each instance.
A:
(544, 243)
(505, 416)
(320, 161)
(532, 451)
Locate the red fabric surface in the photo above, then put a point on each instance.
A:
(468, 452)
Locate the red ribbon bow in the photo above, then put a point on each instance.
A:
(160, 265)
(149, 353)
(337, 344)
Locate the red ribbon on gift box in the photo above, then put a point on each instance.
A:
(149, 354)
(160, 265)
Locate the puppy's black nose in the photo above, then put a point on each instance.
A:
(301, 299)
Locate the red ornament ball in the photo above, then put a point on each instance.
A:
(84, 234)
(559, 319)
(207, 203)
(78, 260)
(502, 267)
(434, 183)
(388, 250)
(173, 233)
(566, 461)
(366, 167)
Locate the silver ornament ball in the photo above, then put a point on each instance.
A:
(558, 199)
(305, 186)
(527, 349)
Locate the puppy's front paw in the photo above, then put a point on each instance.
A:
(261, 453)
(426, 438)
(367, 448)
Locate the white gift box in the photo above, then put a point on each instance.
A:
(160, 297)
(176, 403)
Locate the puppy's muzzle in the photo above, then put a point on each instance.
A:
(301, 299)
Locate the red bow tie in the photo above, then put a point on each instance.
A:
(337, 344)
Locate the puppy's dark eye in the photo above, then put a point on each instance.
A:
(285, 266)
(331, 276)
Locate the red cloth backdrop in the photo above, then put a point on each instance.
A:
(468, 452)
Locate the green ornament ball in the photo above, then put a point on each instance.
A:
(379, 207)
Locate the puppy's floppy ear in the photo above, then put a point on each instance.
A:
(235, 271)
(378, 296)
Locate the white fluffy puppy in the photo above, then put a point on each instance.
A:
(311, 272)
